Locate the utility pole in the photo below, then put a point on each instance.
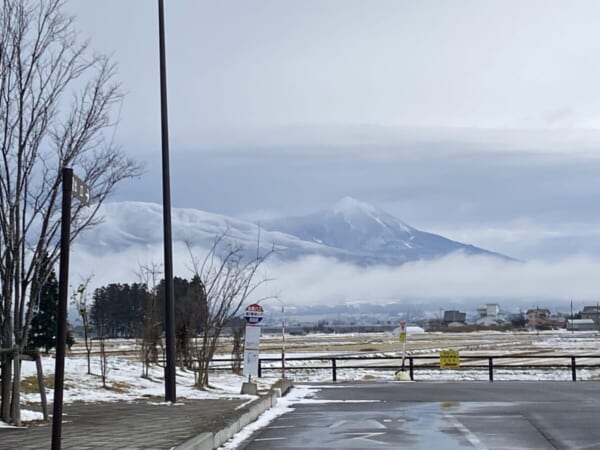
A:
(572, 324)
(169, 325)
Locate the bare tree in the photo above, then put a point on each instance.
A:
(228, 280)
(190, 307)
(56, 110)
(151, 347)
(237, 349)
(80, 300)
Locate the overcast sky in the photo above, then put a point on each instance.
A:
(479, 120)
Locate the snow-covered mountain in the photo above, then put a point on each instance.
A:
(370, 234)
(352, 231)
(127, 225)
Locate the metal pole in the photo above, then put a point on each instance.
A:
(169, 325)
(282, 341)
(61, 334)
(572, 327)
(282, 333)
(334, 369)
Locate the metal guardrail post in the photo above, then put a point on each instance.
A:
(259, 368)
(334, 369)
(573, 369)
(411, 368)
(491, 368)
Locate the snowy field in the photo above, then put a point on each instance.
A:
(125, 383)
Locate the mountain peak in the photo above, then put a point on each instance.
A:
(352, 205)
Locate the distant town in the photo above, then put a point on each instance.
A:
(490, 316)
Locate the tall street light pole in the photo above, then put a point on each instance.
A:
(169, 325)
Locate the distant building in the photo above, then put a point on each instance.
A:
(581, 325)
(541, 319)
(591, 312)
(492, 310)
(454, 317)
(490, 315)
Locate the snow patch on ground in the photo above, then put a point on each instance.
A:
(26, 416)
(125, 383)
(299, 394)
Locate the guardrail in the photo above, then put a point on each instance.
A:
(415, 363)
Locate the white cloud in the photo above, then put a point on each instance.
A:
(322, 281)
(456, 277)
(466, 64)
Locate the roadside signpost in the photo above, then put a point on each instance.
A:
(401, 375)
(71, 187)
(253, 315)
(402, 335)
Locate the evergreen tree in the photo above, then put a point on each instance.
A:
(44, 324)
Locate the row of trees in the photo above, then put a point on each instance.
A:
(221, 282)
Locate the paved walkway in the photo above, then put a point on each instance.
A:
(141, 425)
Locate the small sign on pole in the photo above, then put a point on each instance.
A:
(254, 313)
(402, 334)
(449, 359)
(81, 191)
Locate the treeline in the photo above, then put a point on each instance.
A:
(127, 310)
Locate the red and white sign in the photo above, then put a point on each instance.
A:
(254, 313)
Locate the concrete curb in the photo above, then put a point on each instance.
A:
(211, 441)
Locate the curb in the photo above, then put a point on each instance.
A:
(212, 441)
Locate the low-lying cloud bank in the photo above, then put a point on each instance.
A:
(453, 278)
(322, 281)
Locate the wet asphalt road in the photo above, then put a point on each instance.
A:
(445, 416)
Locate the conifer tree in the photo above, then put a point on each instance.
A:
(44, 324)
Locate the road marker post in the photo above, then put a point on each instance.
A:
(72, 186)
(253, 315)
(401, 374)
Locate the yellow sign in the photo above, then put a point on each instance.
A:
(403, 336)
(449, 358)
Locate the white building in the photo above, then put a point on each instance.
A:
(492, 310)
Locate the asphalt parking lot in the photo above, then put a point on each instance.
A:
(435, 415)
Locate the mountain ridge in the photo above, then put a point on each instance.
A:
(352, 231)
(365, 229)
